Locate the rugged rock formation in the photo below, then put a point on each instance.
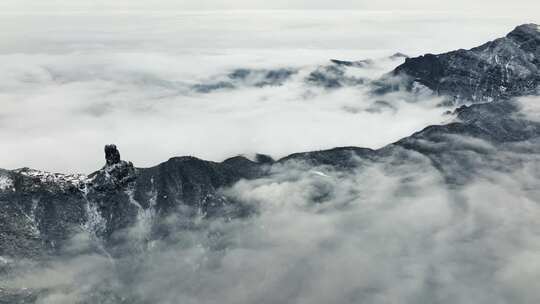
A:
(247, 78)
(40, 210)
(112, 156)
(334, 76)
(500, 69)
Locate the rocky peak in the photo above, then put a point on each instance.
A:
(398, 55)
(524, 33)
(115, 173)
(501, 69)
(112, 155)
(527, 36)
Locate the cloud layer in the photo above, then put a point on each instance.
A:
(74, 82)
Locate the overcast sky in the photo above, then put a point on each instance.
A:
(507, 7)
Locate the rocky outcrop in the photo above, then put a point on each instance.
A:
(247, 78)
(334, 76)
(501, 69)
(112, 155)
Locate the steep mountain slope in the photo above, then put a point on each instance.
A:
(40, 210)
(500, 69)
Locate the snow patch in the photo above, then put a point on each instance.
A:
(95, 223)
(6, 183)
(61, 180)
(145, 217)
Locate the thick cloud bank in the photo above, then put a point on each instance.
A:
(141, 101)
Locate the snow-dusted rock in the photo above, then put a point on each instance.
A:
(500, 69)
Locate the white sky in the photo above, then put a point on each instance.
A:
(529, 7)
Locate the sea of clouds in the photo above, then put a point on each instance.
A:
(74, 81)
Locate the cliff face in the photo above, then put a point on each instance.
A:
(500, 69)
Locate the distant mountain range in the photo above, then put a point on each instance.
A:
(501, 69)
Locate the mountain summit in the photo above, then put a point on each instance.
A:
(500, 69)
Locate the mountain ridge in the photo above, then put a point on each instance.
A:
(500, 69)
